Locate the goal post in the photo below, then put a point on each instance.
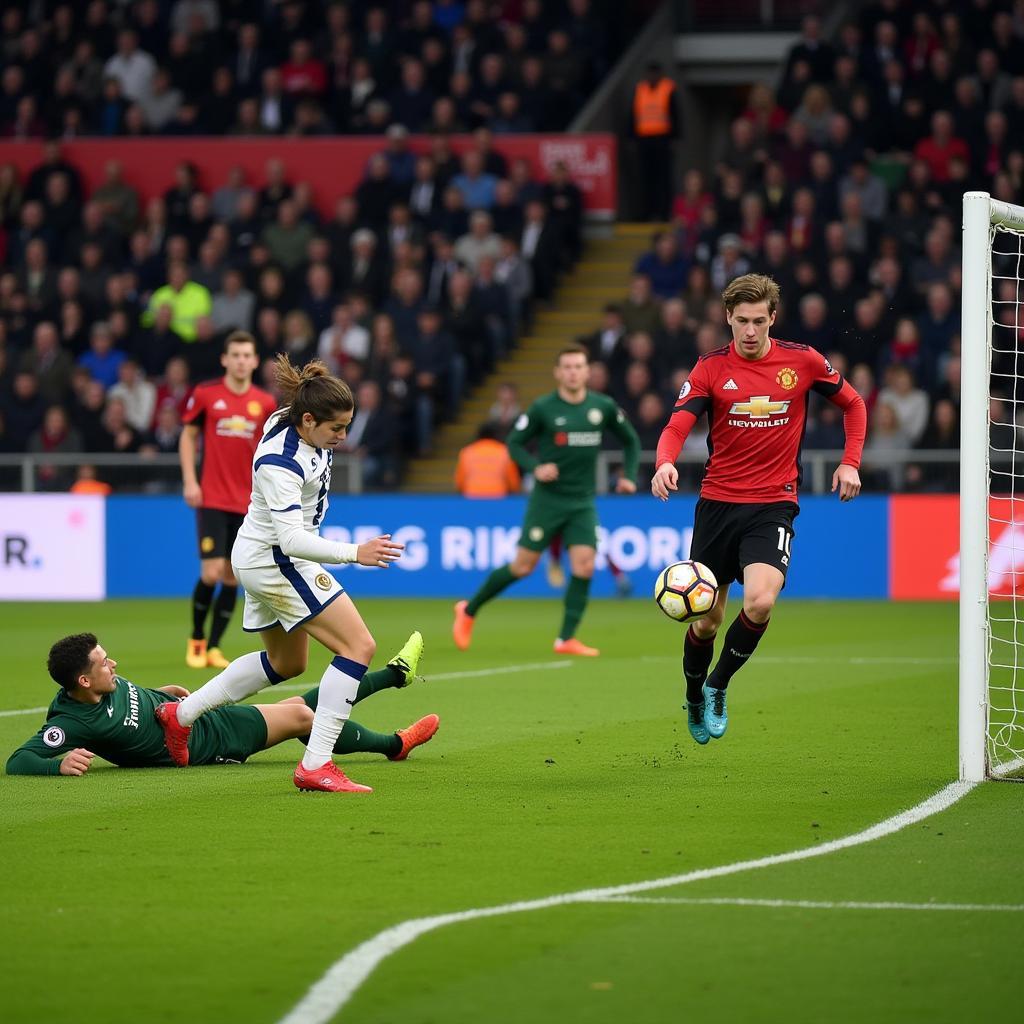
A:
(991, 734)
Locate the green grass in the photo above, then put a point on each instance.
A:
(220, 894)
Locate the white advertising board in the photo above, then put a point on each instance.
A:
(52, 547)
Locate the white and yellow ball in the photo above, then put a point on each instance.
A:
(685, 591)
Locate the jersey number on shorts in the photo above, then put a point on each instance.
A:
(784, 538)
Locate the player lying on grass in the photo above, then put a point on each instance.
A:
(97, 712)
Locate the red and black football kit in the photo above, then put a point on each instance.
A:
(757, 415)
(232, 425)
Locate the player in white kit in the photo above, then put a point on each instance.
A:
(289, 596)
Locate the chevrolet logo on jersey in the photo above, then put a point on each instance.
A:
(760, 407)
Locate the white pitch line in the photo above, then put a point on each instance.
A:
(811, 660)
(21, 711)
(1015, 908)
(502, 670)
(343, 978)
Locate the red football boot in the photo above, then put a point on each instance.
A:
(328, 778)
(175, 734)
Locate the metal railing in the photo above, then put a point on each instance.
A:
(819, 464)
(137, 472)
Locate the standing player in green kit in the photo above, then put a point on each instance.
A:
(568, 425)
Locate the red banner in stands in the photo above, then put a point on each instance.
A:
(333, 166)
(924, 545)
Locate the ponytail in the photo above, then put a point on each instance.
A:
(311, 389)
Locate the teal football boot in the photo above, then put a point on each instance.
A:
(695, 721)
(716, 717)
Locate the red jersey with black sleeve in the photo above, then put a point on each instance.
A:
(757, 414)
(232, 426)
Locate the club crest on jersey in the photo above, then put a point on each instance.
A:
(323, 581)
(786, 379)
(253, 408)
(595, 416)
(54, 736)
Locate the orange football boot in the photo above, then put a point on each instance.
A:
(573, 646)
(462, 627)
(417, 734)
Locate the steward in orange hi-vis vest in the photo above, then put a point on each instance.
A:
(485, 469)
(655, 125)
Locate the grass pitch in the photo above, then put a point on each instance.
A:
(220, 894)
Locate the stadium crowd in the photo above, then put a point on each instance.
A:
(845, 185)
(413, 287)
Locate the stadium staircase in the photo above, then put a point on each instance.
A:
(601, 276)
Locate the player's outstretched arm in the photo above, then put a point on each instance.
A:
(380, 552)
(847, 479)
(26, 761)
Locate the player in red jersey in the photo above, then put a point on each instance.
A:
(755, 392)
(229, 413)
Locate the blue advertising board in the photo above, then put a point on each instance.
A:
(452, 543)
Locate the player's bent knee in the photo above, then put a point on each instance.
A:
(288, 668)
(758, 606)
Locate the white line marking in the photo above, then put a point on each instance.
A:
(503, 670)
(21, 711)
(769, 659)
(1015, 908)
(340, 982)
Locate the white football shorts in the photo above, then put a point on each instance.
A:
(287, 594)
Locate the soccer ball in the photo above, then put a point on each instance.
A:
(685, 591)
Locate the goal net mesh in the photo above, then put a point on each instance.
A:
(1005, 733)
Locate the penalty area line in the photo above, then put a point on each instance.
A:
(342, 979)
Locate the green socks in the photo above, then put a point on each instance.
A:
(356, 738)
(576, 595)
(493, 586)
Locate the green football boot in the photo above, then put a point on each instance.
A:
(407, 660)
(716, 717)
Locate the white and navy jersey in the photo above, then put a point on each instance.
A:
(290, 481)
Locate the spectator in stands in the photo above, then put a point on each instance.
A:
(373, 436)
(23, 410)
(484, 468)
(565, 207)
(131, 67)
(886, 436)
(941, 146)
(102, 360)
(49, 363)
(288, 237)
(188, 302)
(506, 408)
(137, 393)
(909, 402)
(640, 308)
(942, 434)
(475, 184)
(233, 306)
(540, 246)
(480, 242)
(56, 436)
(664, 265)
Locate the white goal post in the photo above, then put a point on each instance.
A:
(991, 702)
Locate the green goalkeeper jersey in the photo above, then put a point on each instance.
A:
(569, 435)
(121, 729)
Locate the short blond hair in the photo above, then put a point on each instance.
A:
(751, 288)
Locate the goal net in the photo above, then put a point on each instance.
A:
(991, 510)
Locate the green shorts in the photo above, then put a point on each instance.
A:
(572, 519)
(227, 735)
